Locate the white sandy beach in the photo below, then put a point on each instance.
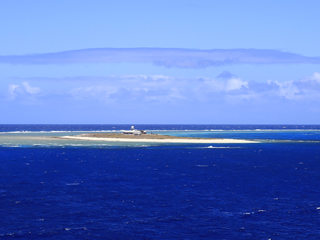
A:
(167, 140)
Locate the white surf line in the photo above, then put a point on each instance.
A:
(168, 140)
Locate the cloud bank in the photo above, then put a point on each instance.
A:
(163, 89)
(154, 99)
(146, 90)
(165, 57)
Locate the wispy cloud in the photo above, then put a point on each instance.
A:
(165, 57)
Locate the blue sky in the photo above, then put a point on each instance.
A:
(209, 61)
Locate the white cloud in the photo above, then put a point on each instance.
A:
(29, 89)
(314, 77)
(23, 91)
(287, 90)
(234, 84)
(11, 91)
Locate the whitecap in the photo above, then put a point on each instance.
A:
(72, 184)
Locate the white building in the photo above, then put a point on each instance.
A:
(134, 131)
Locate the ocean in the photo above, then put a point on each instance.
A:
(72, 189)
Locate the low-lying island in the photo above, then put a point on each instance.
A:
(156, 138)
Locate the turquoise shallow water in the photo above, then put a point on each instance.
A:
(62, 189)
(36, 136)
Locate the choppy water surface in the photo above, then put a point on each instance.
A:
(61, 189)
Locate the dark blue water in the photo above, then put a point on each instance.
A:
(268, 190)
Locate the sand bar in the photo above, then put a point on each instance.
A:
(153, 138)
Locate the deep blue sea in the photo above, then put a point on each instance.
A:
(72, 189)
